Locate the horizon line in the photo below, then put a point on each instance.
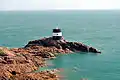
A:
(68, 10)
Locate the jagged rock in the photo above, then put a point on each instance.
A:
(62, 45)
(44, 52)
(19, 64)
(46, 75)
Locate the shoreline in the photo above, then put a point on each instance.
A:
(18, 63)
(21, 66)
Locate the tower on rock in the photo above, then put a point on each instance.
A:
(57, 34)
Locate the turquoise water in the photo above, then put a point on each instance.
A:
(100, 29)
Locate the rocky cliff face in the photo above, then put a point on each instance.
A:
(63, 45)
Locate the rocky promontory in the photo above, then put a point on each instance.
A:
(62, 45)
(20, 63)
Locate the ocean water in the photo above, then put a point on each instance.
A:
(100, 29)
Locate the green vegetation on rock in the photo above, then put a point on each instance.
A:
(2, 53)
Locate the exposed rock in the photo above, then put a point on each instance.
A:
(41, 51)
(20, 63)
(62, 45)
(46, 75)
(23, 63)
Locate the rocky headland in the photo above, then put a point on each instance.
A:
(62, 45)
(20, 63)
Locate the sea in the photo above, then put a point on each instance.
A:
(96, 28)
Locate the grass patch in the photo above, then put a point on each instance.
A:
(2, 53)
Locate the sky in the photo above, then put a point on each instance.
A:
(58, 4)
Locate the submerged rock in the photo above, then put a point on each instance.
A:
(62, 45)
